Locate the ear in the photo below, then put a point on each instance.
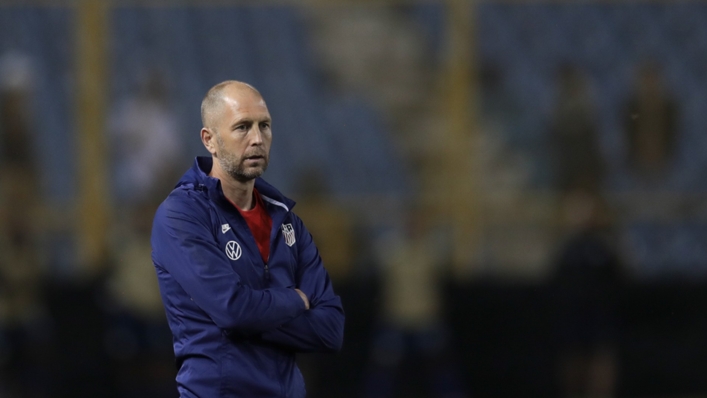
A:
(208, 139)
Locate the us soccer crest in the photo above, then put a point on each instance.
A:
(289, 233)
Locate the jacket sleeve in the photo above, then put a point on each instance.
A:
(183, 245)
(322, 327)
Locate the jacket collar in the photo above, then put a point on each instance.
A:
(198, 177)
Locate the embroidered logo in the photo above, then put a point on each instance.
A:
(289, 233)
(233, 250)
(225, 228)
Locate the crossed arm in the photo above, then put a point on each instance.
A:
(321, 328)
(307, 318)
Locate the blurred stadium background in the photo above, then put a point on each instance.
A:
(509, 195)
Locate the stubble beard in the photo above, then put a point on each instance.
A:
(234, 165)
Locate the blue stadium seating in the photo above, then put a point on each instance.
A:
(609, 41)
(267, 47)
(344, 136)
(196, 48)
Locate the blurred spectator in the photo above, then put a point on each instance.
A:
(504, 166)
(146, 143)
(331, 225)
(586, 279)
(21, 308)
(138, 338)
(574, 134)
(411, 327)
(147, 148)
(650, 119)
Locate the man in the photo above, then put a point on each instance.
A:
(240, 277)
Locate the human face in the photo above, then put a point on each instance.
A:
(243, 135)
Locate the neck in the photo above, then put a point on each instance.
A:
(240, 193)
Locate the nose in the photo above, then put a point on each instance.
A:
(256, 135)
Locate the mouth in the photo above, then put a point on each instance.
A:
(254, 158)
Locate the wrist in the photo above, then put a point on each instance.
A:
(304, 298)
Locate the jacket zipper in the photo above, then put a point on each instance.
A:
(266, 267)
(267, 272)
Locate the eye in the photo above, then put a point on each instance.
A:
(264, 126)
(240, 127)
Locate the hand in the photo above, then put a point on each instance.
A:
(304, 298)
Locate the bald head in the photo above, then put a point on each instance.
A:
(237, 132)
(215, 98)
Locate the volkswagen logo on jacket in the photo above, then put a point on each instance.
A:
(233, 250)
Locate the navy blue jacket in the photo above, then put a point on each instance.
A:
(237, 321)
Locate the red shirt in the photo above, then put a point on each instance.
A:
(260, 224)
